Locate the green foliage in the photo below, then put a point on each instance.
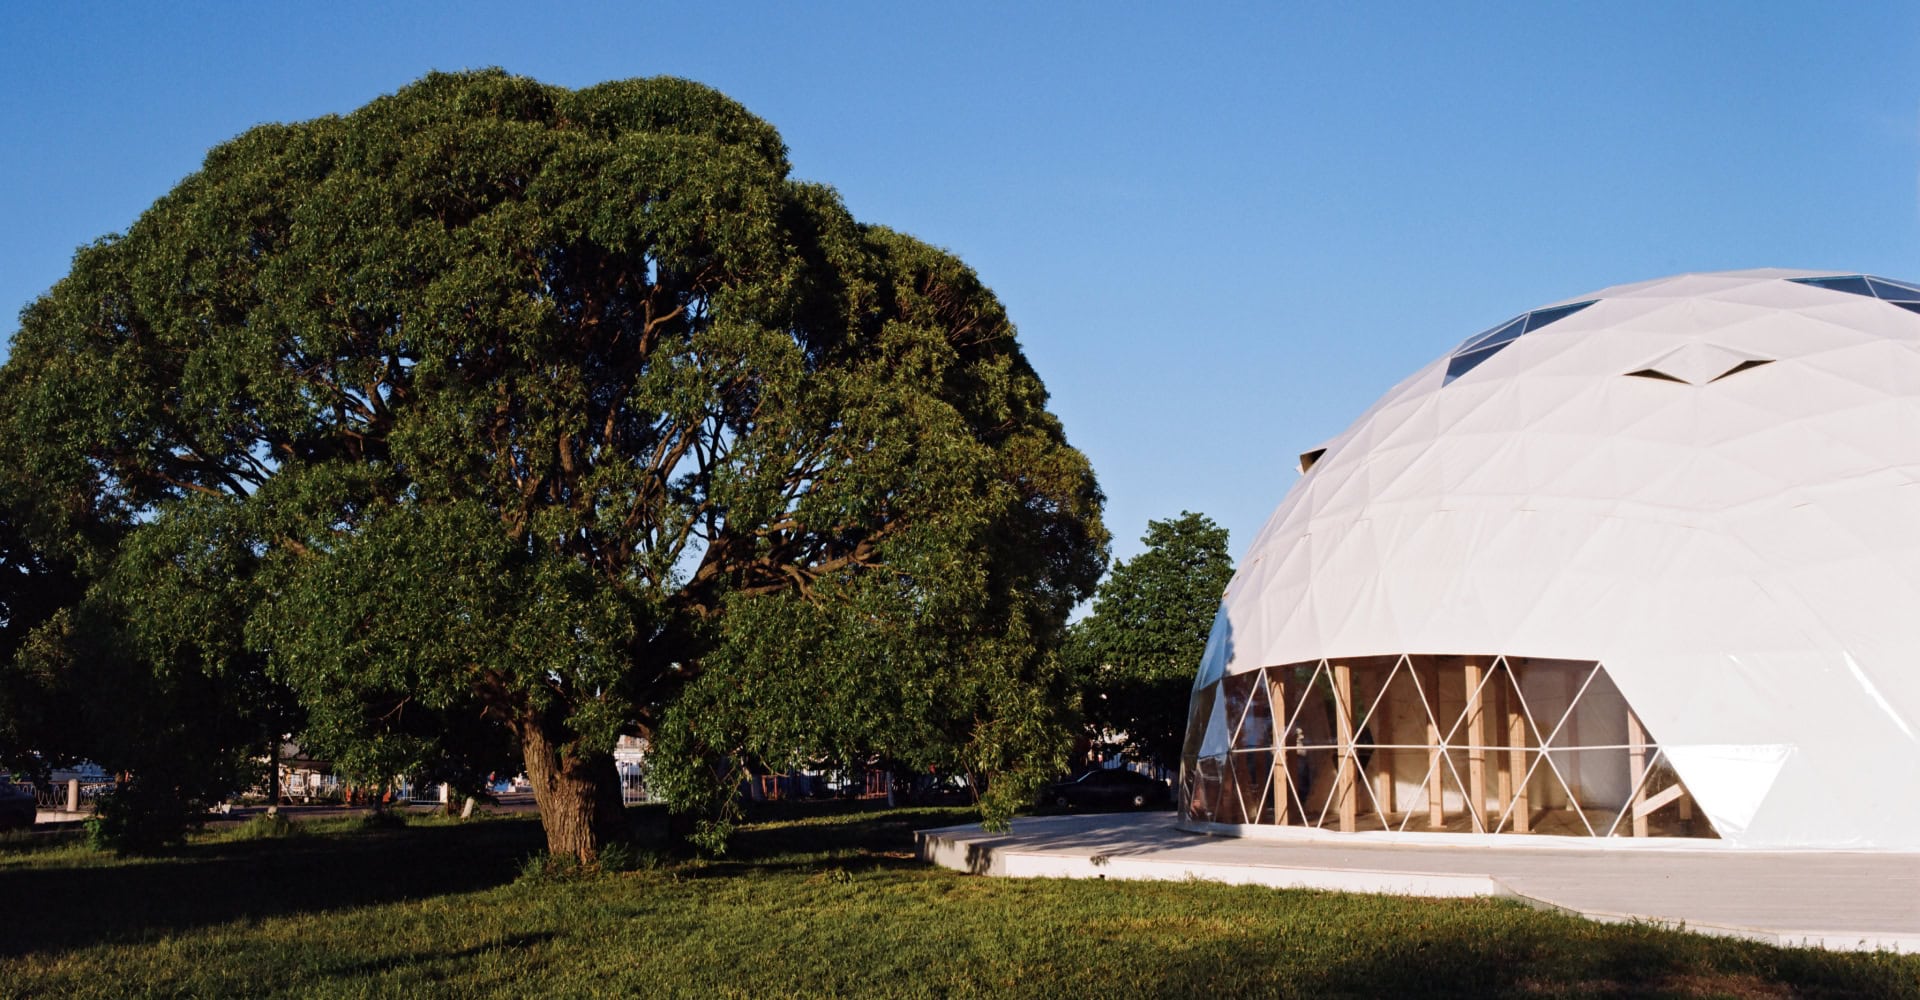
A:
(495, 412)
(381, 819)
(1136, 654)
(618, 857)
(141, 817)
(37, 706)
(264, 826)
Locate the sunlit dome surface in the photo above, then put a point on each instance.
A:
(1640, 563)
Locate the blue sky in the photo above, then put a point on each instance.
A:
(1221, 233)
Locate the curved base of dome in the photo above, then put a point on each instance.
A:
(1503, 841)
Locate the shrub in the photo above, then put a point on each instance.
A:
(382, 819)
(615, 857)
(265, 826)
(140, 818)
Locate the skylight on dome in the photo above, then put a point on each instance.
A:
(1482, 346)
(1897, 293)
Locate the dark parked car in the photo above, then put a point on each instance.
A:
(1110, 789)
(17, 804)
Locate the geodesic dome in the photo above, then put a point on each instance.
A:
(1641, 563)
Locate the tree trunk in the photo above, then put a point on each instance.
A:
(579, 795)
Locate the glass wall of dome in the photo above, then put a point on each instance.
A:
(1416, 743)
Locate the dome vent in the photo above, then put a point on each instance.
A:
(1698, 363)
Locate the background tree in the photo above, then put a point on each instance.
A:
(181, 727)
(36, 706)
(570, 410)
(1135, 655)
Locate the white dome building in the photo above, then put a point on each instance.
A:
(1643, 563)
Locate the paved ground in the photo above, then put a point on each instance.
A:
(1832, 900)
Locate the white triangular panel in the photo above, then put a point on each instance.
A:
(1738, 778)
(1215, 742)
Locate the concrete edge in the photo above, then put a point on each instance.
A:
(1830, 940)
(944, 848)
(948, 848)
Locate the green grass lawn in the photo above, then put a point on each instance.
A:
(807, 905)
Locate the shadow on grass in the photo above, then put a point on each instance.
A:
(511, 942)
(60, 907)
(1556, 957)
(852, 835)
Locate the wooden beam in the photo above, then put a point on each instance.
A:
(1476, 751)
(1277, 705)
(1436, 792)
(1637, 771)
(1517, 758)
(1345, 787)
(1497, 737)
(1645, 806)
(1381, 726)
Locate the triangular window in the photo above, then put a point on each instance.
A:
(1898, 293)
(1481, 346)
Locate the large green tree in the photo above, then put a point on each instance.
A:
(1135, 655)
(572, 412)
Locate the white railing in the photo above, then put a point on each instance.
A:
(70, 795)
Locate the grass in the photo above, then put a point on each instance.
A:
(809, 904)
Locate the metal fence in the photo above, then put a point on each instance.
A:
(70, 795)
(633, 784)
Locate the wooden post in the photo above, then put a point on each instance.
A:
(1476, 751)
(1517, 758)
(1381, 726)
(1637, 771)
(1345, 789)
(1277, 705)
(1570, 736)
(1497, 738)
(1436, 792)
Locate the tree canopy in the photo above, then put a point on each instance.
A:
(1136, 654)
(568, 411)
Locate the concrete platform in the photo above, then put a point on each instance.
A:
(1843, 901)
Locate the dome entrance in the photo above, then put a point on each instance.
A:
(1431, 743)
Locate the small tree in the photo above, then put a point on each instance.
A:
(1136, 654)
